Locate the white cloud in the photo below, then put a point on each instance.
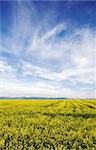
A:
(5, 68)
(16, 88)
(74, 53)
(11, 86)
(53, 32)
(79, 73)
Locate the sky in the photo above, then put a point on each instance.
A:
(48, 48)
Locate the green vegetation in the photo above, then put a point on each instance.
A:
(47, 124)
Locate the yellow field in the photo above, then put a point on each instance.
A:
(47, 124)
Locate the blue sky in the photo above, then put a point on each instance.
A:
(48, 48)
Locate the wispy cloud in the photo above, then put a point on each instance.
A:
(47, 58)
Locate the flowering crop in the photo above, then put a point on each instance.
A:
(47, 124)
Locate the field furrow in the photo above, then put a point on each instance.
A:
(47, 124)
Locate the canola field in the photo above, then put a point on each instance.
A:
(47, 124)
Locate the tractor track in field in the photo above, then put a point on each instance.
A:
(77, 106)
(88, 105)
(71, 115)
(53, 104)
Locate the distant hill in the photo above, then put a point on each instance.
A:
(34, 98)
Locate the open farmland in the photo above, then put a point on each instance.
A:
(47, 124)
